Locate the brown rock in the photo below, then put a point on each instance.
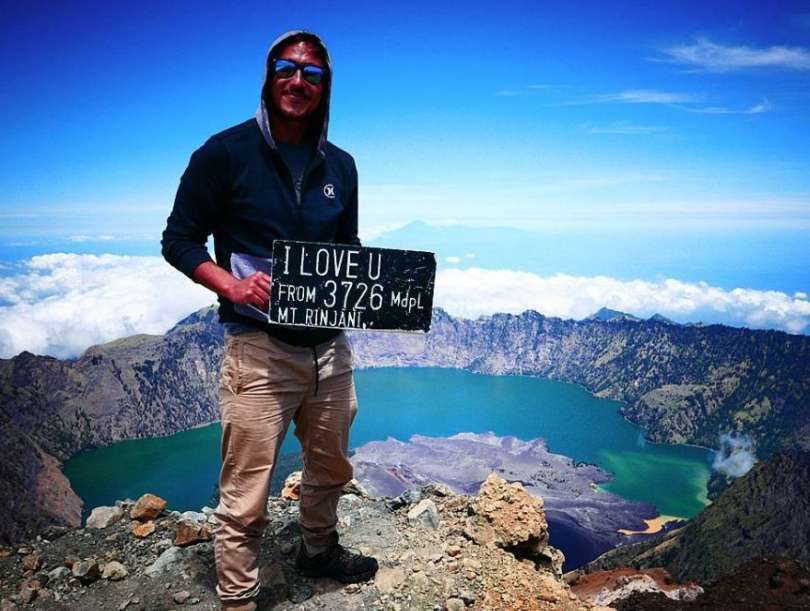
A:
(143, 530)
(507, 516)
(389, 579)
(189, 533)
(454, 604)
(114, 571)
(355, 487)
(292, 487)
(148, 507)
(32, 562)
(26, 594)
(86, 571)
(69, 561)
(35, 583)
(551, 559)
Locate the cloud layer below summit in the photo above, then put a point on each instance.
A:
(60, 304)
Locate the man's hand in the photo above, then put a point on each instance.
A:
(253, 290)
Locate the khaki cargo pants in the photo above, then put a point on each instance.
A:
(264, 384)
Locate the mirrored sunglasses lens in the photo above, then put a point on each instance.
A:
(284, 69)
(313, 74)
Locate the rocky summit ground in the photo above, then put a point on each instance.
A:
(436, 549)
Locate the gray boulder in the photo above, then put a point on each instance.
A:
(102, 517)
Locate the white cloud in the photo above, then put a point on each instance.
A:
(680, 101)
(763, 106)
(735, 457)
(712, 57)
(453, 259)
(624, 128)
(708, 110)
(91, 238)
(60, 304)
(646, 96)
(474, 292)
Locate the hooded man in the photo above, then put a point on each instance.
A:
(275, 176)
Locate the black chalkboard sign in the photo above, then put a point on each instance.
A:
(338, 286)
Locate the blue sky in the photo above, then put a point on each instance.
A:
(560, 156)
(482, 113)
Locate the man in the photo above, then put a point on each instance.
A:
(274, 177)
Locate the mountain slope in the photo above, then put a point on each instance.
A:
(141, 386)
(765, 512)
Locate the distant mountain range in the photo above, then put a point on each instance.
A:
(608, 315)
(684, 384)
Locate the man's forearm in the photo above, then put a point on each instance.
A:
(253, 290)
(215, 278)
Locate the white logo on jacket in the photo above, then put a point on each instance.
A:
(329, 191)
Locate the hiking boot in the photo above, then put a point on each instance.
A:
(338, 563)
(263, 600)
(240, 605)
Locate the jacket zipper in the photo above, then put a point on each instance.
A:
(298, 186)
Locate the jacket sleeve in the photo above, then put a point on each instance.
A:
(347, 223)
(196, 208)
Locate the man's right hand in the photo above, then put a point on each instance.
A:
(253, 290)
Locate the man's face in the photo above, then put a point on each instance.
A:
(294, 98)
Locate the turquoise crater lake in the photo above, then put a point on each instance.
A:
(399, 402)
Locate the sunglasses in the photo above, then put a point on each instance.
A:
(286, 68)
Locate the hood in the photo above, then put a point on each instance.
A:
(263, 112)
